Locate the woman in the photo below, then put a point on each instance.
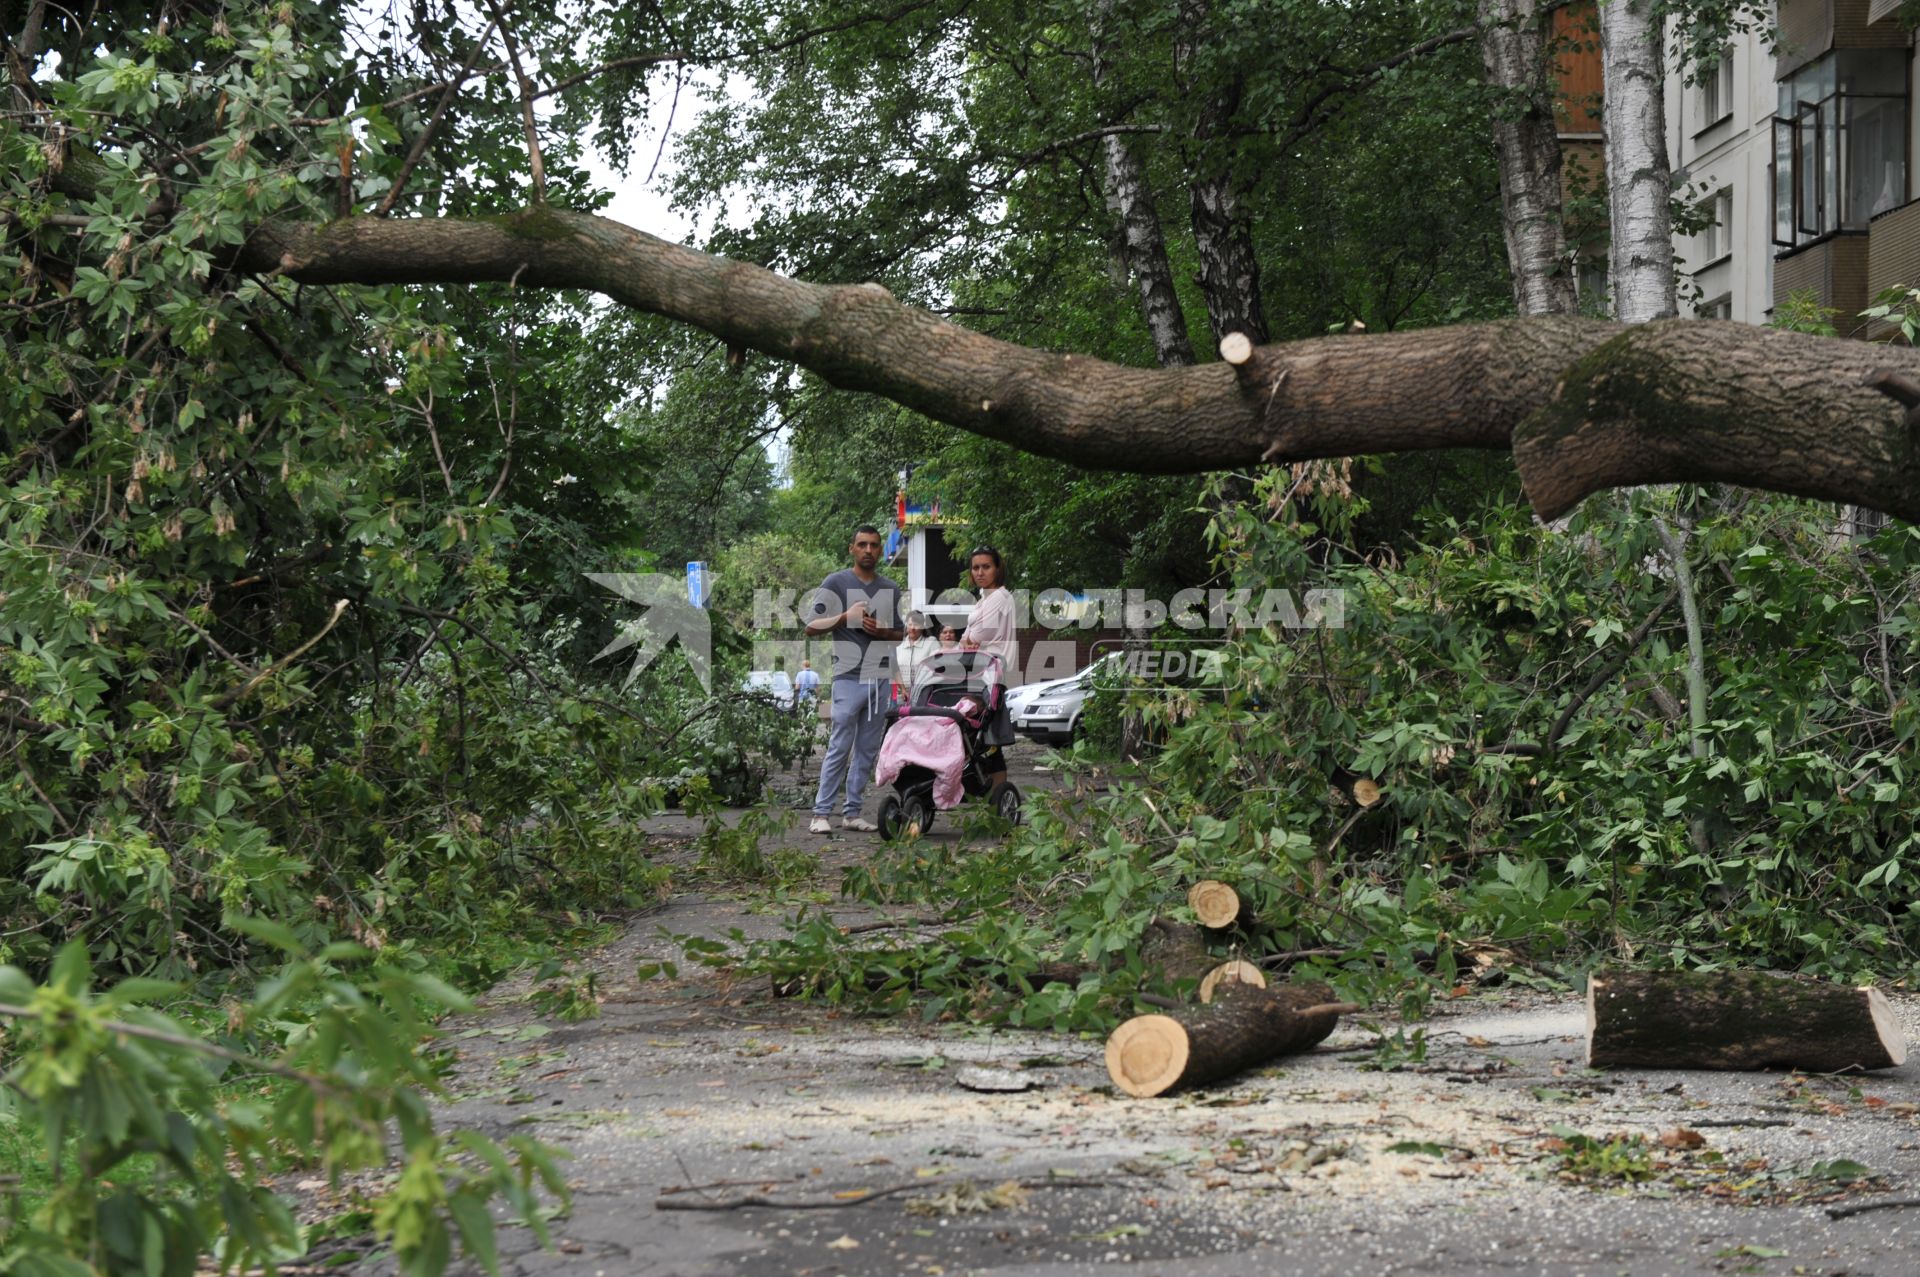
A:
(911, 660)
(991, 629)
(991, 626)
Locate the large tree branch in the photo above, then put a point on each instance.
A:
(419, 147)
(1706, 401)
(1584, 404)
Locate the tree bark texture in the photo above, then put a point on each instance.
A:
(1737, 1020)
(1145, 250)
(1242, 1028)
(1789, 416)
(1142, 237)
(1584, 404)
(1633, 117)
(1514, 48)
(1175, 951)
(1222, 233)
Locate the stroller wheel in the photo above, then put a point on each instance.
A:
(891, 825)
(917, 815)
(1005, 802)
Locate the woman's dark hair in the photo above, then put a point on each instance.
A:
(999, 564)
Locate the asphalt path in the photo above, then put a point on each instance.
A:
(883, 1155)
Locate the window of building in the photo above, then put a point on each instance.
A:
(1590, 287)
(1720, 307)
(1857, 523)
(1839, 144)
(1716, 91)
(1716, 241)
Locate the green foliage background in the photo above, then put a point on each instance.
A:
(297, 689)
(1517, 692)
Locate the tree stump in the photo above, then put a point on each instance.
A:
(1216, 905)
(1737, 1020)
(1243, 1027)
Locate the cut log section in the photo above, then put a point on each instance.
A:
(1237, 971)
(1244, 1027)
(1737, 1020)
(1363, 790)
(1217, 905)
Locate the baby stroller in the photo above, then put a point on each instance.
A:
(937, 746)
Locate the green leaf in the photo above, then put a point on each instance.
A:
(1841, 1171)
(267, 931)
(476, 1230)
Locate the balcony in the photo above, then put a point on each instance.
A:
(1833, 269)
(1893, 256)
(1839, 146)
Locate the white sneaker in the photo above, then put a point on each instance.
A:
(819, 825)
(857, 825)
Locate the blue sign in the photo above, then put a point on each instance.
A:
(699, 583)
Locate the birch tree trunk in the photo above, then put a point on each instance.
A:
(1639, 179)
(1144, 249)
(1222, 235)
(1143, 240)
(1514, 49)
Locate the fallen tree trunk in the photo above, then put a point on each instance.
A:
(1737, 1020)
(1175, 951)
(1244, 1027)
(1583, 404)
(1216, 905)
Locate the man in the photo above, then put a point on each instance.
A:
(805, 685)
(858, 607)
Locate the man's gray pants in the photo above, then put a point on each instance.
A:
(859, 724)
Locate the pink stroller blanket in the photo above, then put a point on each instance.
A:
(932, 743)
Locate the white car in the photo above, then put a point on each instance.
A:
(775, 685)
(1051, 711)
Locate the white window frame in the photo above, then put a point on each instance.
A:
(1716, 241)
(1716, 92)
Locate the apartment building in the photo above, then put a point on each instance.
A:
(1800, 150)
(1720, 139)
(1803, 152)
